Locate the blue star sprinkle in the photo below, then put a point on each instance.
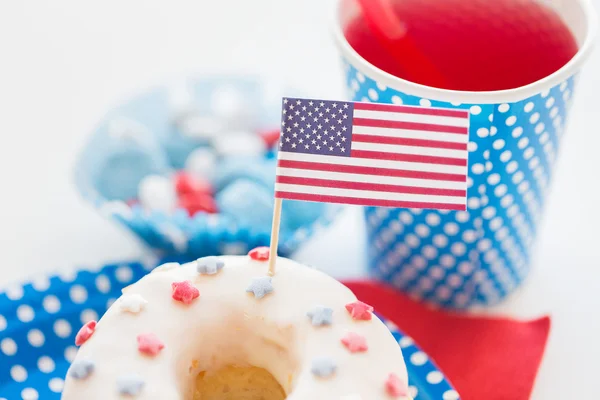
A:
(323, 367)
(209, 265)
(81, 369)
(320, 316)
(130, 385)
(260, 287)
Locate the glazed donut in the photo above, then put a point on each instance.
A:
(220, 328)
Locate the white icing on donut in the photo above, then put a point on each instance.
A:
(227, 325)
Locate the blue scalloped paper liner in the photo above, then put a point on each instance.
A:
(202, 234)
(39, 320)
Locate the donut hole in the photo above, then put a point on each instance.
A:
(238, 383)
(251, 359)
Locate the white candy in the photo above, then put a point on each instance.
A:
(201, 163)
(157, 192)
(188, 118)
(198, 126)
(229, 105)
(239, 144)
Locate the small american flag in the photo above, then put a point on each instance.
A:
(373, 154)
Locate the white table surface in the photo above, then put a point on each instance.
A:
(64, 63)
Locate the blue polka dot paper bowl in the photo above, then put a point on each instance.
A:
(474, 257)
(143, 136)
(39, 321)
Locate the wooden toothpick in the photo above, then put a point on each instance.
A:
(274, 236)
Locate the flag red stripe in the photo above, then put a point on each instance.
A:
(411, 110)
(380, 155)
(368, 202)
(417, 126)
(352, 169)
(293, 180)
(359, 137)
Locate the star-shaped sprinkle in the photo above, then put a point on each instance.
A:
(260, 287)
(209, 265)
(355, 342)
(260, 254)
(184, 292)
(85, 333)
(360, 311)
(149, 344)
(323, 367)
(133, 303)
(81, 369)
(320, 316)
(130, 385)
(395, 387)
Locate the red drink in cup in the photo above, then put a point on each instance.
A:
(476, 45)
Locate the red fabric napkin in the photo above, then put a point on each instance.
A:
(484, 358)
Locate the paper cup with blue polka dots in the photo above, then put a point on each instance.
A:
(475, 257)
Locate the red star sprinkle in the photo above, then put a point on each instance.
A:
(184, 292)
(396, 387)
(149, 344)
(360, 311)
(85, 333)
(355, 342)
(260, 253)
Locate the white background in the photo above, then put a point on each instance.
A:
(64, 63)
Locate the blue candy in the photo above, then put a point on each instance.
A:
(258, 170)
(119, 156)
(248, 203)
(179, 146)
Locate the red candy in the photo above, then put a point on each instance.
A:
(270, 137)
(260, 253)
(396, 387)
(184, 292)
(360, 311)
(85, 333)
(355, 342)
(197, 202)
(187, 184)
(149, 344)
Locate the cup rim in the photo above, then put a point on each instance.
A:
(469, 97)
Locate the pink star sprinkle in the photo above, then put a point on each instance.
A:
(85, 333)
(396, 387)
(360, 311)
(355, 343)
(149, 344)
(260, 253)
(184, 292)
